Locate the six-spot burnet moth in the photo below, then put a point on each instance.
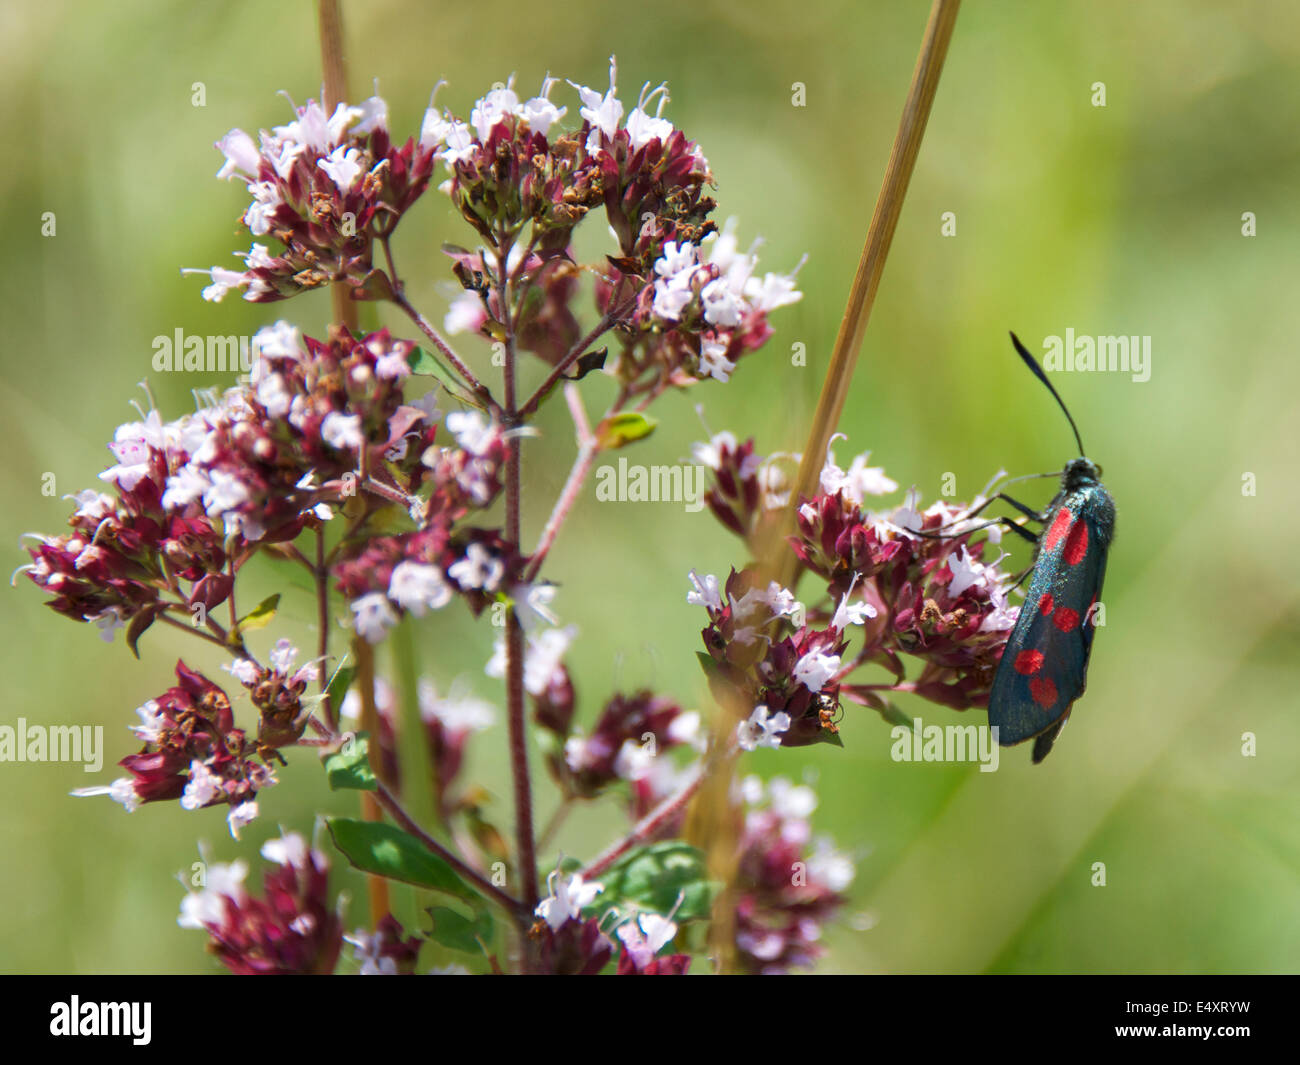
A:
(1044, 667)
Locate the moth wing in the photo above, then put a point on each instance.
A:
(1044, 666)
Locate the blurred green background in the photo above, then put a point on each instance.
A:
(1123, 219)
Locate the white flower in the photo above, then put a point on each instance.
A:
(685, 728)
(633, 761)
(199, 909)
(418, 587)
(244, 671)
(478, 569)
(283, 655)
(240, 816)
(832, 867)
(603, 112)
(713, 360)
(242, 157)
(184, 486)
(151, 722)
(775, 290)
(491, 109)
(539, 112)
(762, 729)
(676, 259)
(568, 897)
(847, 613)
(671, 297)
(814, 669)
(543, 654)
(967, 572)
(367, 949)
(93, 505)
(721, 305)
(290, 849)
(122, 790)
(108, 622)
(204, 786)
(458, 711)
(342, 431)
(279, 341)
(1003, 616)
(710, 454)
(465, 315)
(373, 115)
(707, 593)
(642, 128)
(533, 602)
(796, 801)
(224, 493)
(472, 431)
(459, 143)
(372, 617)
(646, 936)
(433, 130)
(272, 394)
(282, 154)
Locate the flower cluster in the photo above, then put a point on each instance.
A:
(786, 892)
(759, 648)
(326, 186)
(293, 930)
(192, 752)
(625, 742)
(914, 582)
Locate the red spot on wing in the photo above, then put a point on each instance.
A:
(1059, 526)
(1088, 618)
(1076, 544)
(1028, 662)
(1043, 690)
(1045, 604)
(1066, 620)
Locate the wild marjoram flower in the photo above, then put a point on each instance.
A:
(334, 458)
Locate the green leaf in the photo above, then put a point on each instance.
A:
(653, 878)
(382, 849)
(338, 685)
(827, 736)
(257, 618)
(348, 768)
(423, 361)
(453, 929)
(619, 430)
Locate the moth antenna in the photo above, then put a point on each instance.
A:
(1032, 363)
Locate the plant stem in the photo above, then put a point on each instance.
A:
(525, 849)
(320, 573)
(519, 911)
(574, 353)
(862, 296)
(647, 826)
(467, 375)
(711, 822)
(588, 449)
(365, 657)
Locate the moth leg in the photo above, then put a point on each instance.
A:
(1010, 523)
(1027, 511)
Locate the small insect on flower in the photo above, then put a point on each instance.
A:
(1044, 667)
